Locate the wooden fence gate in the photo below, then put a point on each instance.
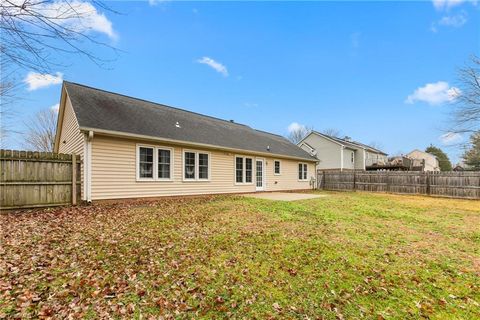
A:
(38, 179)
(464, 185)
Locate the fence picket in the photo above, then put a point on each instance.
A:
(35, 179)
(464, 185)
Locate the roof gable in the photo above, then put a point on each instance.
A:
(103, 110)
(345, 143)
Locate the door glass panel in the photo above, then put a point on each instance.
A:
(259, 174)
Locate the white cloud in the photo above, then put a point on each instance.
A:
(295, 126)
(55, 107)
(155, 2)
(37, 80)
(78, 15)
(217, 66)
(434, 93)
(456, 21)
(446, 4)
(250, 104)
(450, 138)
(355, 39)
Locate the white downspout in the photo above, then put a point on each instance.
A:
(87, 167)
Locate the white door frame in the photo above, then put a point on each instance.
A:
(262, 188)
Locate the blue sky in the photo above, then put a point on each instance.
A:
(376, 71)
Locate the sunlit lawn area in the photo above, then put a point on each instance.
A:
(344, 256)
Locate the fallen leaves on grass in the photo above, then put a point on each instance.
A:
(212, 257)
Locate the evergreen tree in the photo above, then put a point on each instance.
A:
(472, 156)
(443, 161)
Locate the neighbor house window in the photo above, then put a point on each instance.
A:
(154, 163)
(243, 170)
(146, 162)
(276, 167)
(196, 165)
(353, 157)
(302, 171)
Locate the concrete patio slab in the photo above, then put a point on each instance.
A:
(284, 196)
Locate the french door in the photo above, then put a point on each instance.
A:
(260, 174)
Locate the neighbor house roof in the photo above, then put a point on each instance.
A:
(350, 143)
(108, 112)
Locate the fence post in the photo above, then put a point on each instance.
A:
(74, 179)
(388, 181)
(427, 182)
(354, 178)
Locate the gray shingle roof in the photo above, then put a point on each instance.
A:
(351, 142)
(103, 110)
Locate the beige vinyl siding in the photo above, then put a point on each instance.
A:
(328, 152)
(288, 178)
(114, 172)
(71, 138)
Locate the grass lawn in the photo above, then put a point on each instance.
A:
(345, 256)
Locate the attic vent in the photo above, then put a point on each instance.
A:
(177, 125)
(268, 148)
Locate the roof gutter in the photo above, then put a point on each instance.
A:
(187, 143)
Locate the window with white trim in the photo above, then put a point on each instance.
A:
(196, 165)
(248, 170)
(239, 169)
(154, 163)
(164, 164)
(276, 167)
(243, 170)
(189, 165)
(202, 166)
(302, 171)
(145, 162)
(353, 157)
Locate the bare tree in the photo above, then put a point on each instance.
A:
(40, 135)
(297, 134)
(466, 114)
(36, 34)
(332, 132)
(8, 90)
(39, 35)
(377, 145)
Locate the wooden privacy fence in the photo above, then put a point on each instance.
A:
(37, 179)
(445, 184)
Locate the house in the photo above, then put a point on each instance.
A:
(341, 154)
(135, 148)
(462, 166)
(427, 161)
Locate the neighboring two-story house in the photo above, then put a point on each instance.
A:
(425, 160)
(341, 154)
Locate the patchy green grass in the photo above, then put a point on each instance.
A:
(345, 256)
